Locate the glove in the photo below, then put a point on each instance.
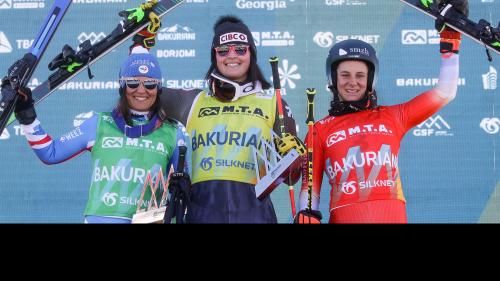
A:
(5, 82)
(450, 38)
(308, 217)
(180, 185)
(289, 142)
(136, 15)
(145, 37)
(180, 189)
(25, 109)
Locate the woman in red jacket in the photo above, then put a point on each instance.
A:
(357, 145)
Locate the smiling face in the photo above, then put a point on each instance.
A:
(352, 80)
(233, 65)
(139, 97)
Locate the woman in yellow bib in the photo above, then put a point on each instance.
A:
(225, 123)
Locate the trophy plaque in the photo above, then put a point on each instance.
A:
(277, 168)
(154, 212)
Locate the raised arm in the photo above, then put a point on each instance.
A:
(425, 105)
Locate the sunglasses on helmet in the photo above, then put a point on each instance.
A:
(224, 50)
(134, 83)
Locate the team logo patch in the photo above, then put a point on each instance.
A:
(207, 163)
(143, 69)
(112, 142)
(233, 37)
(109, 199)
(209, 111)
(335, 138)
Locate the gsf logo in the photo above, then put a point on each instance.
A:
(434, 126)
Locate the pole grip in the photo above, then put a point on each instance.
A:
(276, 75)
(311, 93)
(182, 158)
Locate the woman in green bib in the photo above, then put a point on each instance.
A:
(225, 123)
(126, 144)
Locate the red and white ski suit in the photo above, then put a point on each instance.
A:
(359, 154)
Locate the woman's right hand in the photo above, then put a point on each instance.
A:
(25, 107)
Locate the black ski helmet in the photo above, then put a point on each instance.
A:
(352, 49)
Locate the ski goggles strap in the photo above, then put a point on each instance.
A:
(240, 90)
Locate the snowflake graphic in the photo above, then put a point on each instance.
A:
(288, 75)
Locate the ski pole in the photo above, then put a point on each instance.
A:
(311, 92)
(281, 119)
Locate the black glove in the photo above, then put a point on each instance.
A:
(147, 37)
(180, 192)
(25, 107)
(308, 217)
(450, 38)
(5, 82)
(180, 182)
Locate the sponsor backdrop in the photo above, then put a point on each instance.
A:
(449, 164)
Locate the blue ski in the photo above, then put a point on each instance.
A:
(20, 72)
